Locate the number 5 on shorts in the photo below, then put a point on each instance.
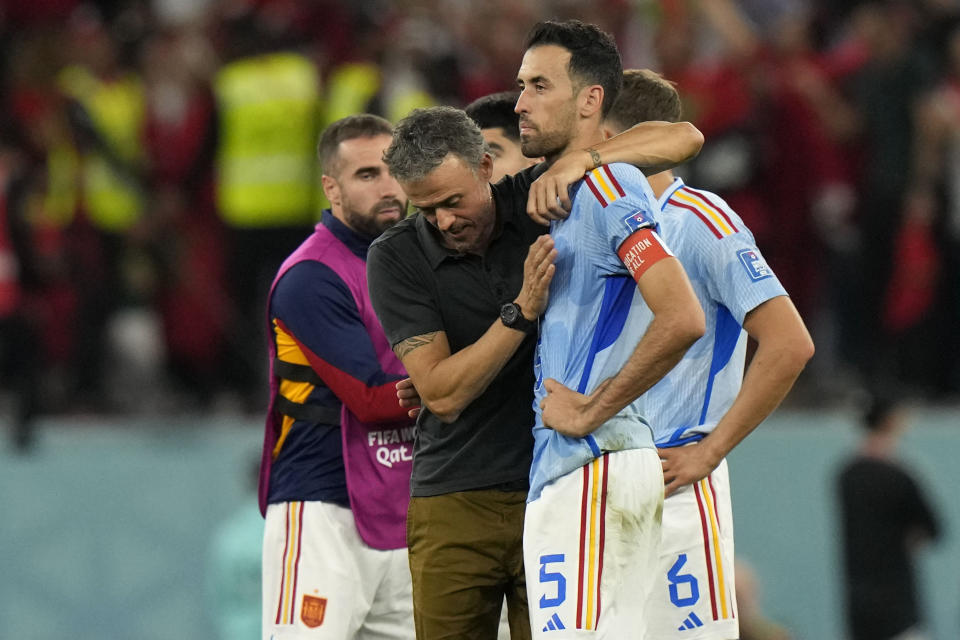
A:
(546, 577)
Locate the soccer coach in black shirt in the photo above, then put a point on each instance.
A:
(458, 288)
(438, 284)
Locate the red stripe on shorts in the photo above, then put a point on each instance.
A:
(583, 537)
(603, 526)
(706, 551)
(296, 566)
(283, 562)
(716, 504)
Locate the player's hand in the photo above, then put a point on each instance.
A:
(566, 411)
(407, 396)
(549, 197)
(538, 270)
(682, 466)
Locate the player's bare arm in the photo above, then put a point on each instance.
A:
(447, 383)
(783, 348)
(651, 146)
(678, 322)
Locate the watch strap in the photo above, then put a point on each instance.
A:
(520, 323)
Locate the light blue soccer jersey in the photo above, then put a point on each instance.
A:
(730, 278)
(595, 316)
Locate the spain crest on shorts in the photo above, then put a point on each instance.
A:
(312, 610)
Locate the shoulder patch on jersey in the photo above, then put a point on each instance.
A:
(637, 220)
(755, 265)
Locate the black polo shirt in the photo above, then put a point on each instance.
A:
(419, 286)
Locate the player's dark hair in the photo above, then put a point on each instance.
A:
(646, 95)
(424, 138)
(496, 111)
(594, 58)
(364, 125)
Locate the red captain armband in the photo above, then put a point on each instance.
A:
(642, 250)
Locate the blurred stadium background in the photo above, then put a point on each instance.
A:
(138, 230)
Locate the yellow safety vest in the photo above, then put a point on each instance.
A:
(350, 88)
(266, 160)
(111, 196)
(353, 85)
(60, 197)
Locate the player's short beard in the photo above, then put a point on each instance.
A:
(551, 143)
(367, 223)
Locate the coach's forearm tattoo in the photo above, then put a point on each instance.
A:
(403, 348)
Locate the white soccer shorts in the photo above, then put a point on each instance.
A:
(693, 596)
(589, 542)
(321, 582)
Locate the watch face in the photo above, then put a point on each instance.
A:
(509, 313)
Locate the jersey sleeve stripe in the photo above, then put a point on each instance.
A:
(598, 176)
(685, 196)
(700, 215)
(613, 181)
(714, 205)
(596, 192)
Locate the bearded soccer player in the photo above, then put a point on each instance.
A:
(335, 476)
(621, 314)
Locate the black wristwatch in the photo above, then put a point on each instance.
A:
(511, 316)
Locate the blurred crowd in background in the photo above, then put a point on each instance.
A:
(157, 162)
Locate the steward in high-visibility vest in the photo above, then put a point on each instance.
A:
(266, 167)
(110, 123)
(359, 87)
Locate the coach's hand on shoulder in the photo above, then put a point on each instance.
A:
(682, 466)
(566, 411)
(538, 270)
(549, 197)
